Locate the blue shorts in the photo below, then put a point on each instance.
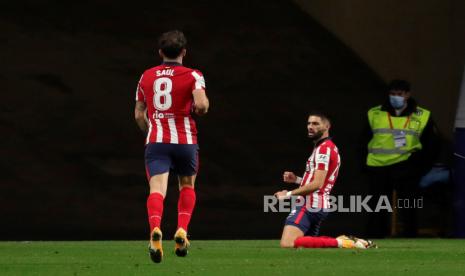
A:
(308, 221)
(160, 158)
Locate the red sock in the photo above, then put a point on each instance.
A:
(186, 206)
(315, 242)
(155, 209)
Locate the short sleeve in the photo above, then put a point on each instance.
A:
(322, 158)
(199, 80)
(140, 95)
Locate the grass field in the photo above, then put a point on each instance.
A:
(257, 257)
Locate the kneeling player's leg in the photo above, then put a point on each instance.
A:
(290, 234)
(316, 242)
(296, 225)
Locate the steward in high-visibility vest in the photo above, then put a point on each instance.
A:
(399, 129)
(394, 138)
(400, 146)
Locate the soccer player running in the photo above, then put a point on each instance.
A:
(166, 97)
(314, 188)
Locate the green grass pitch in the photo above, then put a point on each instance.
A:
(230, 257)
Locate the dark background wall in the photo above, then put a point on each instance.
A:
(420, 40)
(71, 155)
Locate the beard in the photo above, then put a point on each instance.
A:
(316, 136)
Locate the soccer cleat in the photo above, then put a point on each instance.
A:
(363, 244)
(345, 242)
(155, 248)
(354, 242)
(181, 243)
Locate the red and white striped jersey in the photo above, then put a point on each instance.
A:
(325, 156)
(167, 91)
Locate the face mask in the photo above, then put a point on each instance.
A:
(397, 101)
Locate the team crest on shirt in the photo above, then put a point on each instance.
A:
(418, 112)
(322, 158)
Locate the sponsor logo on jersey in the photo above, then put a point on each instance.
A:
(161, 115)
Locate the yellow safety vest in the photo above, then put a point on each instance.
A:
(385, 148)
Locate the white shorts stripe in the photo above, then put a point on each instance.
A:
(173, 132)
(187, 126)
(159, 131)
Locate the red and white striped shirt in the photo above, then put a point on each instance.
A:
(167, 91)
(325, 156)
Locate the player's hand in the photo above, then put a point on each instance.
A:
(281, 194)
(289, 177)
(200, 111)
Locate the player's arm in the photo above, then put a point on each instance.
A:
(322, 160)
(140, 110)
(201, 103)
(317, 183)
(139, 114)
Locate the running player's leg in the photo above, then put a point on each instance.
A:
(158, 185)
(186, 203)
(157, 163)
(186, 166)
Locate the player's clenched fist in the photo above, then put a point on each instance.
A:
(282, 194)
(289, 177)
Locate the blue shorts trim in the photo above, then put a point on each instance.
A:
(308, 221)
(181, 159)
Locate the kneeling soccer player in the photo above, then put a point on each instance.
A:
(315, 186)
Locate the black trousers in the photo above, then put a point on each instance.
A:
(402, 177)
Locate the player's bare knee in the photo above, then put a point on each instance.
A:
(286, 244)
(186, 182)
(186, 186)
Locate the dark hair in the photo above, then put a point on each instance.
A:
(322, 115)
(172, 43)
(401, 85)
